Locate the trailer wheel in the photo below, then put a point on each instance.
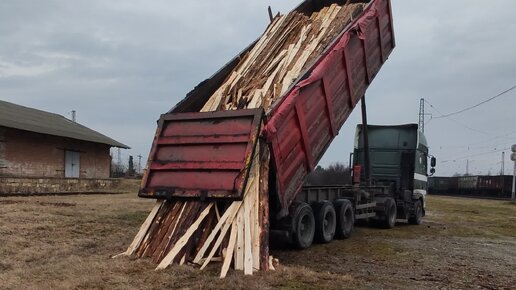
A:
(303, 226)
(417, 216)
(389, 217)
(345, 218)
(325, 221)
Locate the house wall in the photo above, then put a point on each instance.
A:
(28, 154)
(40, 186)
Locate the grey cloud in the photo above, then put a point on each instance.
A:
(122, 63)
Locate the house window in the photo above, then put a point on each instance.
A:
(72, 164)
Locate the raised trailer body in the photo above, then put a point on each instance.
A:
(205, 155)
(300, 126)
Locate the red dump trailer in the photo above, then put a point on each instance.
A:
(206, 155)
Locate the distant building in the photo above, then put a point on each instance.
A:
(40, 144)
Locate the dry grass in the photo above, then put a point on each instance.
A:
(66, 242)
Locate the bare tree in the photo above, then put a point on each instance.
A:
(336, 174)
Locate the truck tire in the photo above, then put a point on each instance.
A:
(345, 218)
(303, 226)
(325, 221)
(390, 211)
(417, 216)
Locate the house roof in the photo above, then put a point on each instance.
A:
(29, 119)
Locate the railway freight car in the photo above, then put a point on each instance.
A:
(498, 186)
(439, 184)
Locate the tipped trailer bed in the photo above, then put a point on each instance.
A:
(205, 155)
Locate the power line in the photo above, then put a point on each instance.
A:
(479, 104)
(472, 146)
(455, 121)
(474, 155)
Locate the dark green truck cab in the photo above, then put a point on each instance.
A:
(398, 160)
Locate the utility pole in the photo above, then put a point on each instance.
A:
(513, 158)
(422, 115)
(467, 167)
(139, 163)
(119, 161)
(502, 171)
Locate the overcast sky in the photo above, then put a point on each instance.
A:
(120, 64)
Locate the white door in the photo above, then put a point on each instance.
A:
(72, 164)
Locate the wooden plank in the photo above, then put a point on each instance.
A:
(231, 212)
(192, 212)
(255, 220)
(239, 255)
(184, 239)
(264, 206)
(217, 213)
(214, 232)
(206, 230)
(229, 252)
(164, 217)
(248, 255)
(223, 232)
(214, 100)
(327, 18)
(167, 238)
(182, 260)
(143, 231)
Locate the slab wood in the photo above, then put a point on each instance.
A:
(184, 239)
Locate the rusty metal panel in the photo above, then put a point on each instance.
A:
(203, 155)
(303, 123)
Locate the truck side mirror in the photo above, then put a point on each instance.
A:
(432, 171)
(432, 161)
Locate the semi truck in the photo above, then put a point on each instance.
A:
(391, 185)
(206, 155)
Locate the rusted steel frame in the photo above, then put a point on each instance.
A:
(328, 96)
(264, 206)
(210, 115)
(152, 153)
(349, 78)
(393, 41)
(275, 156)
(199, 165)
(177, 192)
(251, 147)
(365, 133)
(301, 119)
(364, 49)
(202, 139)
(380, 37)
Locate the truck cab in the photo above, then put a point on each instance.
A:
(398, 160)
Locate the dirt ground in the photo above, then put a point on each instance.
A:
(66, 242)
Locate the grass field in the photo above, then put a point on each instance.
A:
(67, 241)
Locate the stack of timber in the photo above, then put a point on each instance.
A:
(289, 46)
(236, 232)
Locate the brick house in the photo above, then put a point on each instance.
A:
(39, 144)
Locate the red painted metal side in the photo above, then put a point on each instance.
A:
(301, 126)
(203, 155)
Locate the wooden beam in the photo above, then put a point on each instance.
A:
(229, 252)
(143, 231)
(184, 239)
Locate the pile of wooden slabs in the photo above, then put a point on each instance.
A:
(289, 46)
(236, 233)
